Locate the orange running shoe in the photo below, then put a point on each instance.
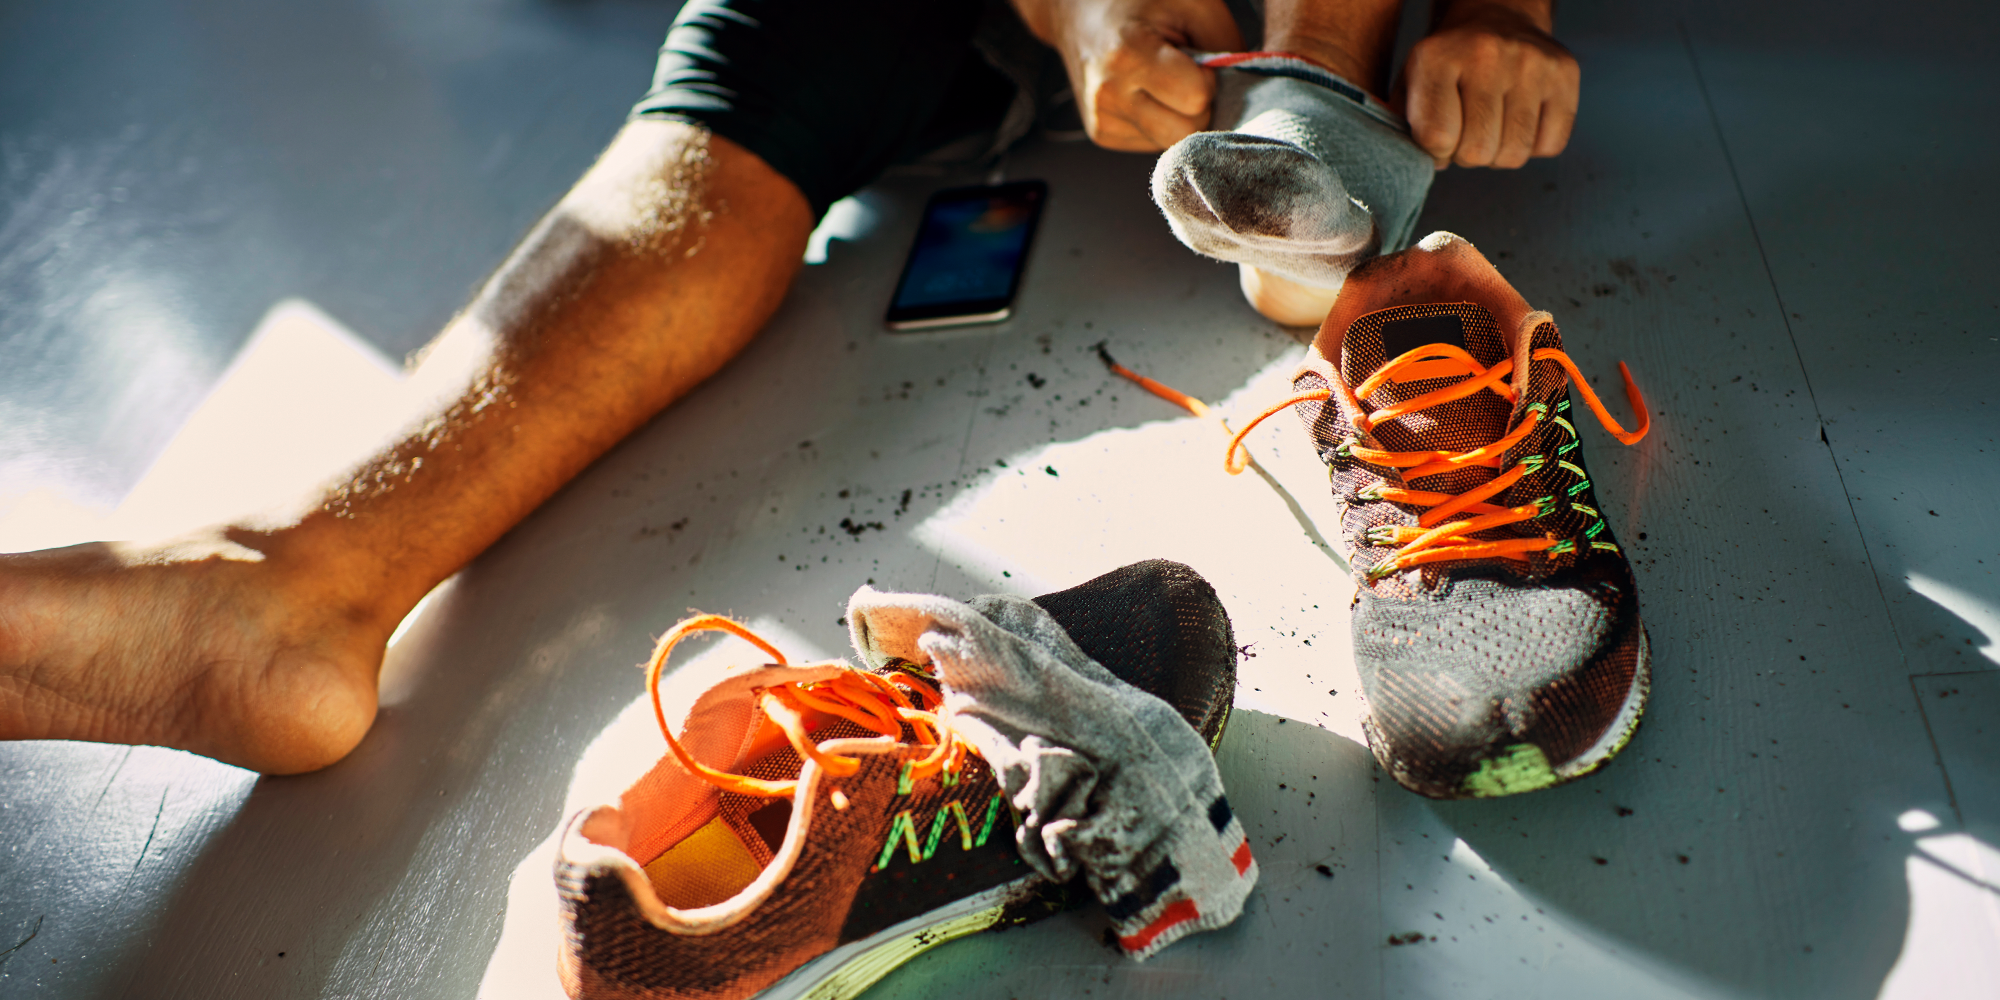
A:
(814, 827)
(1496, 624)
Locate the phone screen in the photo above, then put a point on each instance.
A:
(966, 264)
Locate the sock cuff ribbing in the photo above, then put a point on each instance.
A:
(1298, 67)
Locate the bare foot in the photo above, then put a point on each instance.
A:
(1282, 300)
(210, 645)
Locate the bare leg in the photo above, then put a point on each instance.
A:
(1352, 38)
(258, 642)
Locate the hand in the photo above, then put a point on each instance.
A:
(1490, 87)
(1135, 88)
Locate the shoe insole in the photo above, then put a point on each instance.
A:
(710, 866)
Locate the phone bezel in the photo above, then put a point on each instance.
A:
(966, 312)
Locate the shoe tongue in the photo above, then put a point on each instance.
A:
(1460, 425)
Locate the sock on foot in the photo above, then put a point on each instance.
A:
(1313, 179)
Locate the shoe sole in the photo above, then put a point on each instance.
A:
(1228, 711)
(1509, 774)
(1623, 725)
(849, 970)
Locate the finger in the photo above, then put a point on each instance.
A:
(1116, 122)
(1520, 123)
(1479, 133)
(1160, 124)
(1435, 116)
(1176, 81)
(1121, 136)
(1105, 105)
(1552, 134)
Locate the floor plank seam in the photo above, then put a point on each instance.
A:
(1937, 752)
(1805, 373)
(965, 442)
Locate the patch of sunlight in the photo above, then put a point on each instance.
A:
(303, 399)
(1979, 612)
(1917, 821)
(44, 518)
(523, 966)
(1062, 513)
(1951, 947)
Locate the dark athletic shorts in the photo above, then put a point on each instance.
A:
(829, 93)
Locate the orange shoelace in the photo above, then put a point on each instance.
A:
(877, 702)
(1433, 538)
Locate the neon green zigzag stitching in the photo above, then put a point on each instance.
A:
(903, 830)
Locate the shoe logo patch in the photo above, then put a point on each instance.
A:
(1404, 335)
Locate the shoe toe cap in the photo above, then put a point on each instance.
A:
(1497, 674)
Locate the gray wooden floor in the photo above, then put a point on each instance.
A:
(1781, 219)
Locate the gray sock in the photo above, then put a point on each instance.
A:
(1314, 179)
(1106, 780)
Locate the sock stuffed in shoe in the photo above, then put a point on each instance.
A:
(1106, 780)
(1314, 179)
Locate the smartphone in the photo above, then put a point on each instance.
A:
(967, 260)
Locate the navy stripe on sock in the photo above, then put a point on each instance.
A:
(1132, 903)
(1219, 814)
(1327, 80)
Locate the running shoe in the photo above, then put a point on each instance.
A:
(1495, 620)
(814, 827)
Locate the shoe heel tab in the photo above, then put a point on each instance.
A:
(593, 846)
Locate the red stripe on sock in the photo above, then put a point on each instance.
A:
(1228, 59)
(1179, 912)
(1241, 859)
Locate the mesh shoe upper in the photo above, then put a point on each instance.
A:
(867, 851)
(1491, 675)
(1159, 627)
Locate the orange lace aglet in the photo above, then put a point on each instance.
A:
(1160, 389)
(1596, 405)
